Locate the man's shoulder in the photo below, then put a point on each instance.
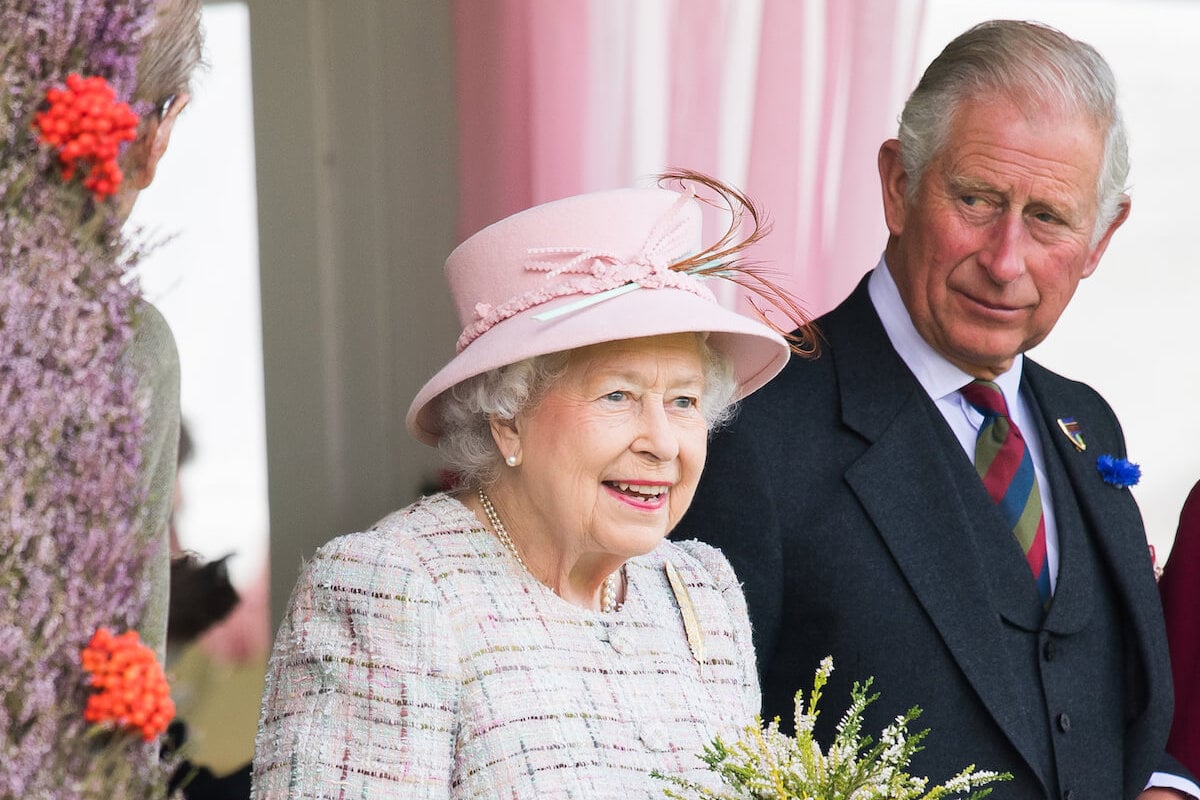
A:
(1052, 387)
(1061, 400)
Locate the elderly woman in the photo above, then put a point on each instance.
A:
(533, 634)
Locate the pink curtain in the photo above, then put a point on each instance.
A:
(696, 50)
(547, 107)
(829, 220)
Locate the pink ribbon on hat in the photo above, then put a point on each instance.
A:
(598, 274)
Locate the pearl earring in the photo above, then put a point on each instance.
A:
(511, 461)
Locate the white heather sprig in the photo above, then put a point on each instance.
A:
(766, 764)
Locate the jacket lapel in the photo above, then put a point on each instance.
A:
(1110, 512)
(1114, 521)
(915, 502)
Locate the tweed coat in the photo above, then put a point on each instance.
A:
(420, 660)
(855, 521)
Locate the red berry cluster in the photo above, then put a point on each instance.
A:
(87, 124)
(132, 692)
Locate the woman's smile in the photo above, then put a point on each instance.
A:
(642, 495)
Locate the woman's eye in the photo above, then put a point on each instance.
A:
(685, 402)
(616, 397)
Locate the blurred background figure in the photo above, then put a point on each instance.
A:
(172, 53)
(211, 263)
(217, 644)
(1179, 588)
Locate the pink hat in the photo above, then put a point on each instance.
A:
(588, 269)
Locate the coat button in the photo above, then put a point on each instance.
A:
(1064, 723)
(622, 642)
(1068, 795)
(654, 737)
(1049, 650)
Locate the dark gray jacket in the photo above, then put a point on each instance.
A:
(861, 530)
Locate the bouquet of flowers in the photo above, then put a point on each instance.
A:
(768, 765)
(72, 552)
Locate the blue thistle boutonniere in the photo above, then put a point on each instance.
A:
(1118, 472)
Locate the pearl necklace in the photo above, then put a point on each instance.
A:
(608, 597)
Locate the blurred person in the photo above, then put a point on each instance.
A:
(231, 625)
(203, 602)
(202, 596)
(532, 634)
(925, 503)
(172, 53)
(1180, 592)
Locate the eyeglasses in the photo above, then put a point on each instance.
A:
(164, 106)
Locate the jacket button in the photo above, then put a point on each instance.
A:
(654, 737)
(1049, 650)
(1068, 795)
(620, 642)
(1064, 723)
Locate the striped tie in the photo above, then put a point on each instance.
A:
(1006, 467)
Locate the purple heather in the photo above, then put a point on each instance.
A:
(71, 557)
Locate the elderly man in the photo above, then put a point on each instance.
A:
(924, 503)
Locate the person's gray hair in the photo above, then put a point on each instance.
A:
(171, 52)
(1028, 62)
(466, 409)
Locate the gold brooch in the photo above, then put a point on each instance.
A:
(691, 623)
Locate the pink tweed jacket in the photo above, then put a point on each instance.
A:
(420, 660)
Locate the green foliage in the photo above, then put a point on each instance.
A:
(768, 765)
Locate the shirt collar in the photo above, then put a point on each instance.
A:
(937, 376)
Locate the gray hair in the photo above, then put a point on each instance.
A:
(465, 410)
(1026, 61)
(171, 52)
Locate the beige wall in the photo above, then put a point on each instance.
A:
(356, 201)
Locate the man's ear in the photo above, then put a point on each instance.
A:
(893, 180)
(152, 144)
(1094, 257)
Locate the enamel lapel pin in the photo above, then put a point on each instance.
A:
(1072, 431)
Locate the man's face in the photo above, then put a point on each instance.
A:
(998, 235)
